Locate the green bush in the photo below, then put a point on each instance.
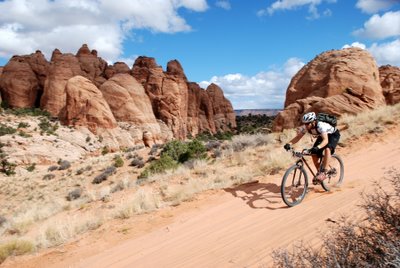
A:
(27, 111)
(105, 150)
(164, 163)
(175, 149)
(7, 167)
(118, 161)
(4, 130)
(31, 167)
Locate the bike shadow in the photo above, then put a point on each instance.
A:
(259, 195)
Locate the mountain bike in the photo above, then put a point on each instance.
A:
(295, 181)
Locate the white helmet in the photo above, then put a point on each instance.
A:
(309, 117)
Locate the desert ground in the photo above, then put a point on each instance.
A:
(232, 227)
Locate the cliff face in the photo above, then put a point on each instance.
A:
(336, 82)
(106, 95)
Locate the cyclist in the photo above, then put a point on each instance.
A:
(327, 140)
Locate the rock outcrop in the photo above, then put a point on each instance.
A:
(86, 106)
(129, 103)
(22, 79)
(146, 102)
(336, 82)
(390, 82)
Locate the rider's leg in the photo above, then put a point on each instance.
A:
(315, 159)
(327, 158)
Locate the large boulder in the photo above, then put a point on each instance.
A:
(390, 82)
(129, 103)
(86, 106)
(22, 79)
(336, 82)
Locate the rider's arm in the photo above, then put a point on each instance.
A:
(297, 138)
(324, 141)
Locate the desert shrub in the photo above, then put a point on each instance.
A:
(31, 167)
(6, 130)
(174, 149)
(164, 163)
(52, 168)
(29, 111)
(24, 134)
(23, 125)
(137, 162)
(118, 161)
(195, 150)
(81, 170)
(371, 242)
(63, 165)
(74, 194)
(15, 248)
(104, 175)
(6, 167)
(48, 177)
(47, 127)
(105, 150)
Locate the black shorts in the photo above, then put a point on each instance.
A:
(333, 140)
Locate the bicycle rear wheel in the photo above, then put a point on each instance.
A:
(335, 173)
(294, 185)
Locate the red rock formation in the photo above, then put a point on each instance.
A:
(224, 115)
(22, 78)
(183, 106)
(29, 80)
(168, 92)
(129, 103)
(336, 82)
(86, 105)
(200, 111)
(390, 82)
(62, 68)
(92, 66)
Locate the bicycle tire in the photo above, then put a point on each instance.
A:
(294, 185)
(334, 176)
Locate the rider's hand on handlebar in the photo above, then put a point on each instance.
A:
(287, 147)
(314, 150)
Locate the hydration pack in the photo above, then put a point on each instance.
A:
(327, 118)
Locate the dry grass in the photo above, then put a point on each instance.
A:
(15, 248)
(37, 210)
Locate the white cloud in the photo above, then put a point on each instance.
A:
(373, 6)
(263, 90)
(294, 4)
(387, 53)
(378, 27)
(28, 25)
(225, 4)
(355, 44)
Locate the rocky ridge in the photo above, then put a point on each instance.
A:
(82, 90)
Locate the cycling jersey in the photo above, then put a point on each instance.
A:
(322, 127)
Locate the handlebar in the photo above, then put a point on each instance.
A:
(299, 154)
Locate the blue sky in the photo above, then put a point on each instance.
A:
(250, 48)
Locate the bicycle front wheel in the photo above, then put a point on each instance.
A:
(335, 173)
(294, 185)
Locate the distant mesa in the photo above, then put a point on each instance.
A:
(339, 82)
(82, 90)
(267, 112)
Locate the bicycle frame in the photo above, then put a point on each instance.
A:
(303, 161)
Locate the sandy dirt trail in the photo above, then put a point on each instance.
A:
(246, 223)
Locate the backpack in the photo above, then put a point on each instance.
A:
(327, 118)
